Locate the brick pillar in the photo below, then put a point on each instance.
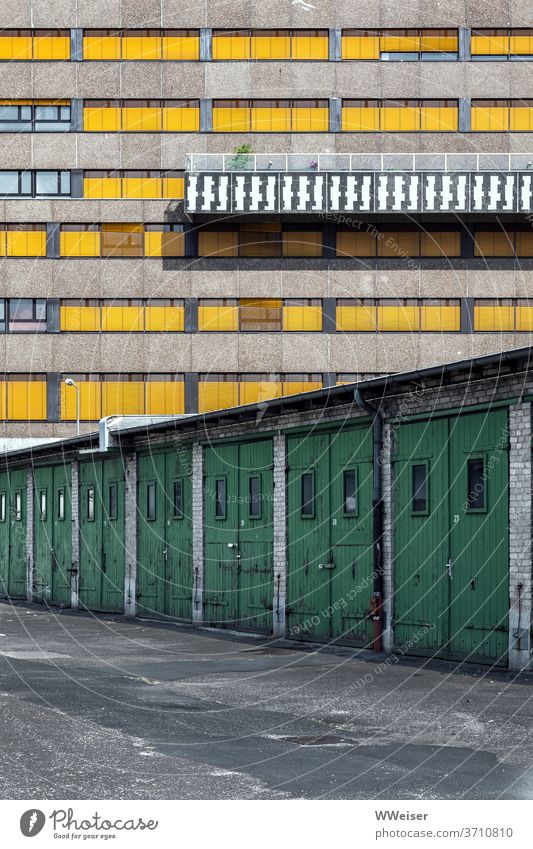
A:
(75, 507)
(197, 532)
(519, 535)
(29, 534)
(388, 542)
(279, 513)
(130, 534)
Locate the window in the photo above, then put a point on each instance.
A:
(307, 495)
(293, 384)
(489, 43)
(164, 240)
(254, 388)
(51, 44)
(42, 505)
(494, 314)
(476, 484)
(79, 240)
(254, 497)
(122, 240)
(26, 240)
(18, 505)
(52, 183)
(217, 391)
(398, 315)
(101, 44)
(490, 115)
(26, 315)
(112, 506)
(16, 44)
(303, 242)
(260, 239)
(219, 242)
(350, 492)
(90, 504)
(2, 506)
(302, 314)
(260, 314)
(61, 504)
(218, 314)
(51, 117)
(150, 502)
(13, 183)
(164, 394)
(419, 502)
(220, 498)
(15, 117)
(26, 397)
(359, 116)
(177, 501)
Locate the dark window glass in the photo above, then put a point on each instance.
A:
(476, 484)
(2, 506)
(350, 492)
(61, 503)
(308, 494)
(420, 488)
(220, 498)
(9, 183)
(42, 504)
(255, 497)
(112, 506)
(150, 502)
(90, 504)
(178, 500)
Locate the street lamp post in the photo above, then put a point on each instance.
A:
(70, 382)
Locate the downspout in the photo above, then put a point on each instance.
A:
(377, 518)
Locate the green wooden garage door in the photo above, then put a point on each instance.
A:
(451, 537)
(164, 561)
(330, 558)
(13, 524)
(238, 565)
(52, 534)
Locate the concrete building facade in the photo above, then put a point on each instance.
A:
(118, 271)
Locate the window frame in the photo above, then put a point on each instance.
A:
(416, 464)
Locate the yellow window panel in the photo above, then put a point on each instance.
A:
(51, 44)
(141, 44)
(398, 317)
(302, 243)
(443, 119)
(164, 243)
(228, 119)
(524, 243)
(138, 118)
(446, 319)
(356, 243)
(101, 116)
(181, 45)
(440, 243)
(521, 116)
(122, 240)
(173, 186)
(304, 318)
(218, 317)
(167, 318)
(218, 243)
(180, 116)
(400, 41)
(295, 387)
(357, 317)
(141, 184)
(398, 116)
(361, 44)
(439, 41)
(26, 400)
(100, 47)
(309, 118)
(3, 242)
(524, 316)
(79, 243)
(361, 118)
(79, 318)
(521, 42)
(26, 242)
(231, 45)
(122, 398)
(253, 391)
(489, 43)
(399, 243)
(494, 315)
(90, 401)
(217, 394)
(97, 187)
(122, 318)
(15, 44)
(271, 119)
(489, 243)
(165, 397)
(490, 116)
(271, 44)
(3, 400)
(310, 44)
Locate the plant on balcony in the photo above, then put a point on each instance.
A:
(240, 159)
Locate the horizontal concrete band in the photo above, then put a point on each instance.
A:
(357, 192)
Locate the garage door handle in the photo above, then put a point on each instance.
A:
(326, 565)
(450, 569)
